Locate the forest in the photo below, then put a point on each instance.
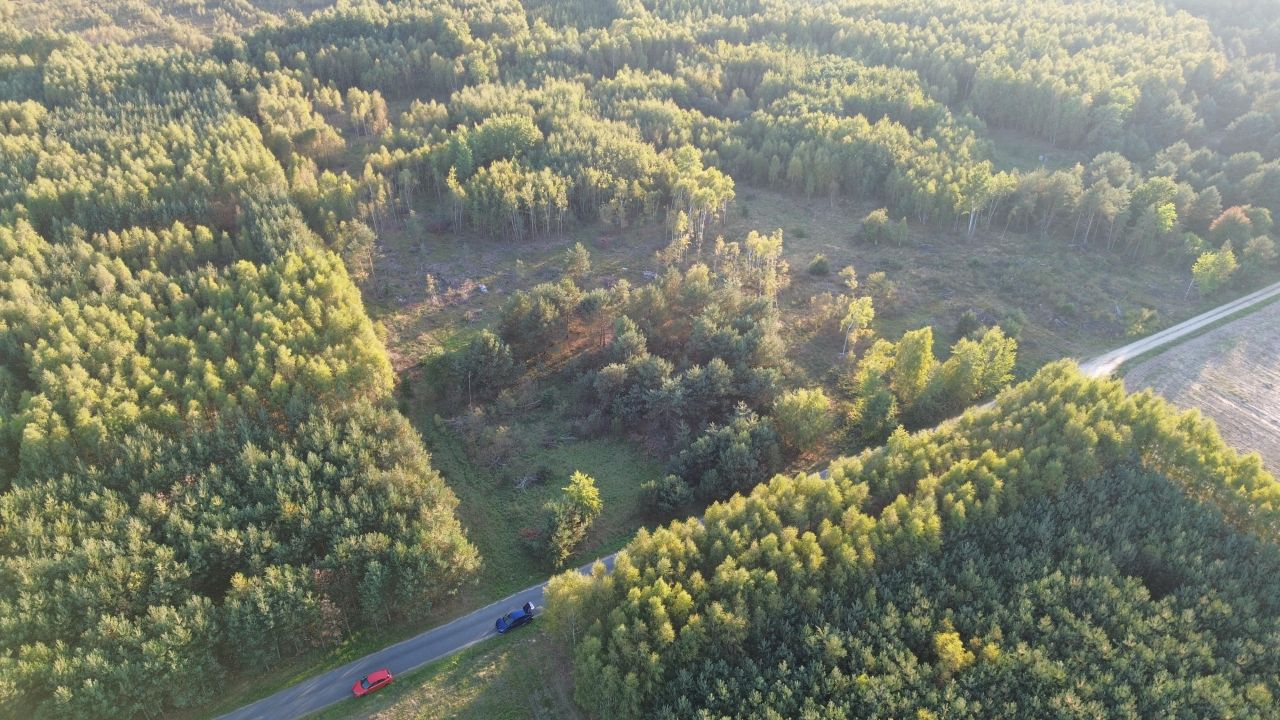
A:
(1070, 552)
(220, 220)
(203, 470)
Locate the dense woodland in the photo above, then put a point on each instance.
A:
(203, 471)
(1070, 552)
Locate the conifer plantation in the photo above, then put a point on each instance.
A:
(1069, 552)
(202, 470)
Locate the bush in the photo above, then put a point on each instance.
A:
(875, 227)
(571, 517)
(1213, 269)
(666, 495)
(802, 417)
(883, 291)
(1013, 323)
(968, 324)
(1140, 322)
(819, 265)
(878, 228)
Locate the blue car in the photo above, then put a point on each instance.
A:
(515, 618)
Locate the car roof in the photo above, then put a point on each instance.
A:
(378, 674)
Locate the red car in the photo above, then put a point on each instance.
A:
(375, 680)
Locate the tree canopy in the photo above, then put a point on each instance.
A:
(1072, 549)
(202, 470)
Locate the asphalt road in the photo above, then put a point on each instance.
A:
(321, 691)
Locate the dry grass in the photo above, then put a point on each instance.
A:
(1074, 302)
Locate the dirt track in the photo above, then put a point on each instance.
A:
(1232, 374)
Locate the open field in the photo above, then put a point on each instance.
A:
(1232, 374)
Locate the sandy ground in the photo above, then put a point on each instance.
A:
(1232, 374)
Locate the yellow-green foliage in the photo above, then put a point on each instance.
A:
(695, 591)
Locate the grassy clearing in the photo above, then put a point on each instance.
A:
(1075, 302)
(1068, 302)
(522, 676)
(1014, 150)
(493, 510)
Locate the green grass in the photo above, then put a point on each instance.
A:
(493, 510)
(1069, 296)
(1014, 150)
(511, 677)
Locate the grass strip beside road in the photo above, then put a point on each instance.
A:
(1154, 352)
(514, 677)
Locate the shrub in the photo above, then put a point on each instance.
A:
(571, 517)
(801, 417)
(883, 290)
(968, 324)
(1213, 269)
(819, 265)
(1140, 322)
(1013, 323)
(666, 494)
(876, 227)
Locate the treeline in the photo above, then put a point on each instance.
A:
(186, 23)
(624, 112)
(201, 470)
(1072, 549)
(1245, 26)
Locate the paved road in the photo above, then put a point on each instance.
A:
(321, 691)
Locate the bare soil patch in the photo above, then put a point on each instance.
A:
(1232, 375)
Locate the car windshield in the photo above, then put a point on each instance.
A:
(364, 682)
